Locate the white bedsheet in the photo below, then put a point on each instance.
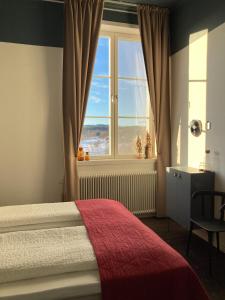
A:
(39, 216)
(46, 225)
(83, 285)
(39, 253)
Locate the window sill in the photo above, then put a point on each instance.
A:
(107, 166)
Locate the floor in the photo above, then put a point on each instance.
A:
(174, 235)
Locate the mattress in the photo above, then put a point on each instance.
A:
(56, 263)
(40, 253)
(78, 286)
(39, 216)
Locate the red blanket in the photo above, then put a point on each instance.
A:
(134, 263)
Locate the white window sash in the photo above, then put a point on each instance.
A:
(115, 34)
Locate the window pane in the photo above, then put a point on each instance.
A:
(128, 130)
(99, 98)
(102, 62)
(130, 59)
(133, 98)
(95, 136)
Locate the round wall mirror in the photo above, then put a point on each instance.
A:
(196, 127)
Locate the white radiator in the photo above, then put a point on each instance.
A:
(136, 191)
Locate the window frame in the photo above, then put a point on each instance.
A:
(115, 33)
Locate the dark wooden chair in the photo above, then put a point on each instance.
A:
(207, 221)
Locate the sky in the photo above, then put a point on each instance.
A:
(132, 94)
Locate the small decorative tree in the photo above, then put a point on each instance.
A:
(148, 139)
(148, 146)
(139, 147)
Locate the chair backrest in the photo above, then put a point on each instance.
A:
(213, 196)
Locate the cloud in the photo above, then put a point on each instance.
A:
(95, 99)
(101, 83)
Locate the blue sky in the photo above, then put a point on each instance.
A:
(98, 102)
(132, 94)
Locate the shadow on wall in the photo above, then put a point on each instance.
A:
(179, 107)
(53, 160)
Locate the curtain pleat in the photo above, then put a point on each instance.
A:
(154, 28)
(82, 26)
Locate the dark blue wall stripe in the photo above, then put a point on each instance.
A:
(193, 16)
(38, 22)
(120, 17)
(31, 22)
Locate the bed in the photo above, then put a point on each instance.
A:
(39, 216)
(112, 257)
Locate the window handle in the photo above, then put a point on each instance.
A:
(114, 98)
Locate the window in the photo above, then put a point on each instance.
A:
(118, 108)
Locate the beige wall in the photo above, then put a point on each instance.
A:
(31, 149)
(198, 91)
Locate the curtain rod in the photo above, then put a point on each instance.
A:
(125, 3)
(120, 3)
(54, 1)
(106, 1)
(121, 10)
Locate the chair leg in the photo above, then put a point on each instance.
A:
(189, 239)
(210, 240)
(218, 241)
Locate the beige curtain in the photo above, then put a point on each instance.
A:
(82, 25)
(154, 29)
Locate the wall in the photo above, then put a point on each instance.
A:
(31, 147)
(31, 160)
(198, 89)
(31, 141)
(39, 22)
